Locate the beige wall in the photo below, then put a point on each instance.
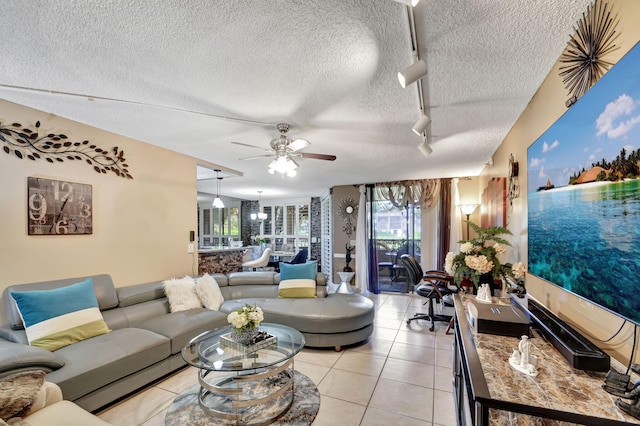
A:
(544, 109)
(141, 226)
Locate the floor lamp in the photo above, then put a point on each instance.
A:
(467, 209)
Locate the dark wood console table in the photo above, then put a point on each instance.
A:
(488, 391)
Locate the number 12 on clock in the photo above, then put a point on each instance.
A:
(57, 207)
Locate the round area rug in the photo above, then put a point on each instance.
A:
(185, 409)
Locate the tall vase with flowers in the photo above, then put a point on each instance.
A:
(245, 322)
(479, 257)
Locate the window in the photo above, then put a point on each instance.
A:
(287, 227)
(218, 226)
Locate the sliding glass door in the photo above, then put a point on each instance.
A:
(396, 231)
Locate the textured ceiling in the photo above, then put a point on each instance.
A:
(194, 75)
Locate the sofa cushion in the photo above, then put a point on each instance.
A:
(140, 293)
(296, 288)
(181, 293)
(96, 362)
(251, 278)
(183, 326)
(102, 285)
(307, 270)
(209, 292)
(60, 317)
(336, 313)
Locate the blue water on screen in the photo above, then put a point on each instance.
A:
(586, 239)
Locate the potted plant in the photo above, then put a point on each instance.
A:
(478, 258)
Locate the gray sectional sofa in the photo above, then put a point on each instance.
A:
(146, 338)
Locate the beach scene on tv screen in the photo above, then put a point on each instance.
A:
(584, 194)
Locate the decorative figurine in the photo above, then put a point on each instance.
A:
(522, 359)
(484, 294)
(349, 248)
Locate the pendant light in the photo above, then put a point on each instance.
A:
(217, 202)
(260, 215)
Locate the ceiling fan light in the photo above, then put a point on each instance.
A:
(412, 73)
(262, 216)
(425, 149)
(271, 170)
(421, 124)
(292, 173)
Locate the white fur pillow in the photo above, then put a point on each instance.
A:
(181, 293)
(209, 291)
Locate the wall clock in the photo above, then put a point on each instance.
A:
(57, 207)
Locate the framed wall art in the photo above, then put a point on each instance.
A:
(57, 207)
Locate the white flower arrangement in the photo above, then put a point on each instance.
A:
(246, 318)
(478, 257)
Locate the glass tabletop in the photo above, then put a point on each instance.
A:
(206, 352)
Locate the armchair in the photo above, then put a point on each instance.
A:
(260, 262)
(434, 286)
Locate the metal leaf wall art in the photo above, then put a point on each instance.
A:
(26, 143)
(583, 59)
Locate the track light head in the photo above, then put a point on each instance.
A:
(421, 125)
(425, 149)
(412, 73)
(411, 3)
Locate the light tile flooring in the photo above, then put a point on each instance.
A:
(401, 376)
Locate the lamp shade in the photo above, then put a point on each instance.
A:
(467, 209)
(412, 73)
(218, 203)
(425, 149)
(421, 124)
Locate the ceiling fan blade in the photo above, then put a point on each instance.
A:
(317, 156)
(252, 146)
(298, 144)
(256, 156)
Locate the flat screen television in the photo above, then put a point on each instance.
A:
(584, 194)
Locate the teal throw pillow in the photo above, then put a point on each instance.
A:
(307, 270)
(62, 316)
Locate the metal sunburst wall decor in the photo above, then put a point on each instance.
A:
(583, 58)
(23, 142)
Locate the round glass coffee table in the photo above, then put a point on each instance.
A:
(248, 386)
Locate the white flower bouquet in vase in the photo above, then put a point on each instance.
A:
(478, 259)
(246, 335)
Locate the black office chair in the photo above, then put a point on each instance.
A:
(433, 286)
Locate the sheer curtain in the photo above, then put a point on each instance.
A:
(362, 270)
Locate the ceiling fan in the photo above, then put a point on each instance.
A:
(284, 150)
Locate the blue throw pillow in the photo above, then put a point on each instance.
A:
(307, 270)
(62, 316)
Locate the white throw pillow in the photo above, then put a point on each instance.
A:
(181, 293)
(209, 292)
